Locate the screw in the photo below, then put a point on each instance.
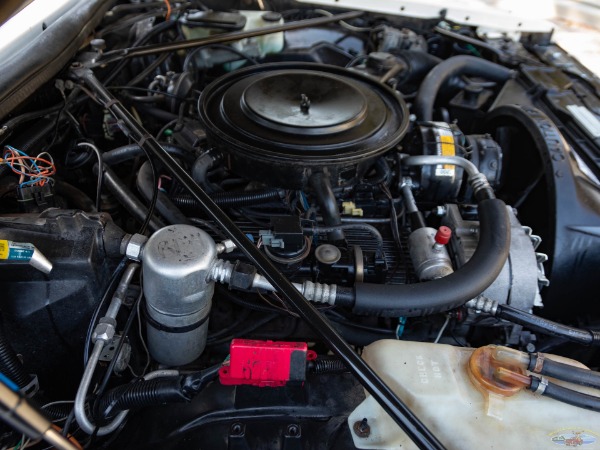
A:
(361, 428)
(293, 430)
(530, 347)
(237, 429)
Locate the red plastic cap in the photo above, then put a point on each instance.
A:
(443, 234)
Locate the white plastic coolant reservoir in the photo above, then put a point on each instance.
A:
(434, 381)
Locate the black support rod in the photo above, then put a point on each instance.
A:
(389, 401)
(154, 49)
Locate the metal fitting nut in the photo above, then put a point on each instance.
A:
(226, 246)
(103, 332)
(134, 247)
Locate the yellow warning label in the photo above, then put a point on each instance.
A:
(448, 149)
(4, 249)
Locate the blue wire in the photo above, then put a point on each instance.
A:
(9, 383)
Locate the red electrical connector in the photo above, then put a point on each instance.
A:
(265, 363)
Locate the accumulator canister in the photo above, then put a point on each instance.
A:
(176, 263)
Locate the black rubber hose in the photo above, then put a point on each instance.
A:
(452, 291)
(321, 184)
(418, 65)
(568, 396)
(128, 152)
(126, 198)
(451, 68)
(10, 364)
(565, 372)
(545, 326)
(231, 199)
(163, 204)
(201, 167)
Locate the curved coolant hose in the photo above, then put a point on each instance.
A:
(452, 291)
(565, 395)
(451, 68)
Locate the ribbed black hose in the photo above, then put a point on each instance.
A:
(327, 364)
(157, 391)
(565, 372)
(57, 412)
(545, 326)
(10, 364)
(452, 291)
(568, 396)
(141, 394)
(231, 199)
(451, 68)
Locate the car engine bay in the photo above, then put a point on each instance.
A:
(278, 225)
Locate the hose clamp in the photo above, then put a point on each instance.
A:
(539, 363)
(542, 385)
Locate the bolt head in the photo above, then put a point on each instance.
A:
(134, 247)
(362, 428)
(103, 332)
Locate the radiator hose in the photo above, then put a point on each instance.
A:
(452, 68)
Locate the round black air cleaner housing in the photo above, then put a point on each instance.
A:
(280, 122)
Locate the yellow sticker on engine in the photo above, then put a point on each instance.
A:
(447, 148)
(4, 249)
(447, 145)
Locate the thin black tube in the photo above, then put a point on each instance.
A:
(568, 396)
(452, 291)
(565, 372)
(164, 205)
(132, 52)
(388, 400)
(450, 68)
(545, 326)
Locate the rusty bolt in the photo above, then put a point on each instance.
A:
(362, 428)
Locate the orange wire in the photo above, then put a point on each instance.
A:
(70, 437)
(48, 171)
(168, 15)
